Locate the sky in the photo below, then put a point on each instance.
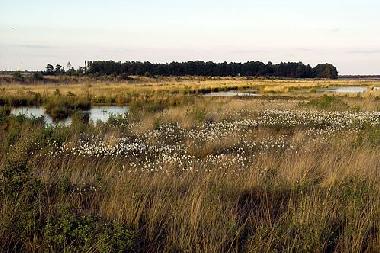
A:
(342, 32)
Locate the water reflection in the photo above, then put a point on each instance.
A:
(95, 114)
(232, 93)
(344, 89)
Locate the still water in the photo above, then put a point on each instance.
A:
(96, 114)
(232, 93)
(344, 89)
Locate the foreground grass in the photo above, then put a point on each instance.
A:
(217, 175)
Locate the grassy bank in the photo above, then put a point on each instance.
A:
(112, 92)
(205, 175)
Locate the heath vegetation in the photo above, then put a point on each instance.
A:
(185, 173)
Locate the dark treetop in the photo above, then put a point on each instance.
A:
(201, 68)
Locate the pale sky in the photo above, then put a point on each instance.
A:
(344, 33)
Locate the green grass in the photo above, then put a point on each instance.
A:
(328, 103)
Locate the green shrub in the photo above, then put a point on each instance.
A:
(80, 233)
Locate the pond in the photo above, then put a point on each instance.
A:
(344, 89)
(96, 113)
(233, 93)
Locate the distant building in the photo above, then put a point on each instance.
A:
(69, 66)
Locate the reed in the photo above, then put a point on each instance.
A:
(195, 175)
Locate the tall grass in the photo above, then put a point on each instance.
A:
(321, 196)
(112, 92)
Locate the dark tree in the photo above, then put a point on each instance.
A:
(49, 69)
(58, 69)
(201, 68)
(326, 71)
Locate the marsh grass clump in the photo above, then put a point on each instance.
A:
(30, 99)
(60, 107)
(370, 136)
(157, 103)
(4, 112)
(328, 103)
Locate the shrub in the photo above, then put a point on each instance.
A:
(17, 76)
(68, 231)
(37, 76)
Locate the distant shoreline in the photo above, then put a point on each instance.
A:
(366, 77)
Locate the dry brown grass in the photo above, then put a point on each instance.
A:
(322, 196)
(96, 88)
(254, 210)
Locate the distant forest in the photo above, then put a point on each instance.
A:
(201, 68)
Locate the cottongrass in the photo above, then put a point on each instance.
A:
(252, 180)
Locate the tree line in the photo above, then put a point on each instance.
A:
(59, 69)
(201, 68)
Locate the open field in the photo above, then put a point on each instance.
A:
(144, 88)
(285, 172)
